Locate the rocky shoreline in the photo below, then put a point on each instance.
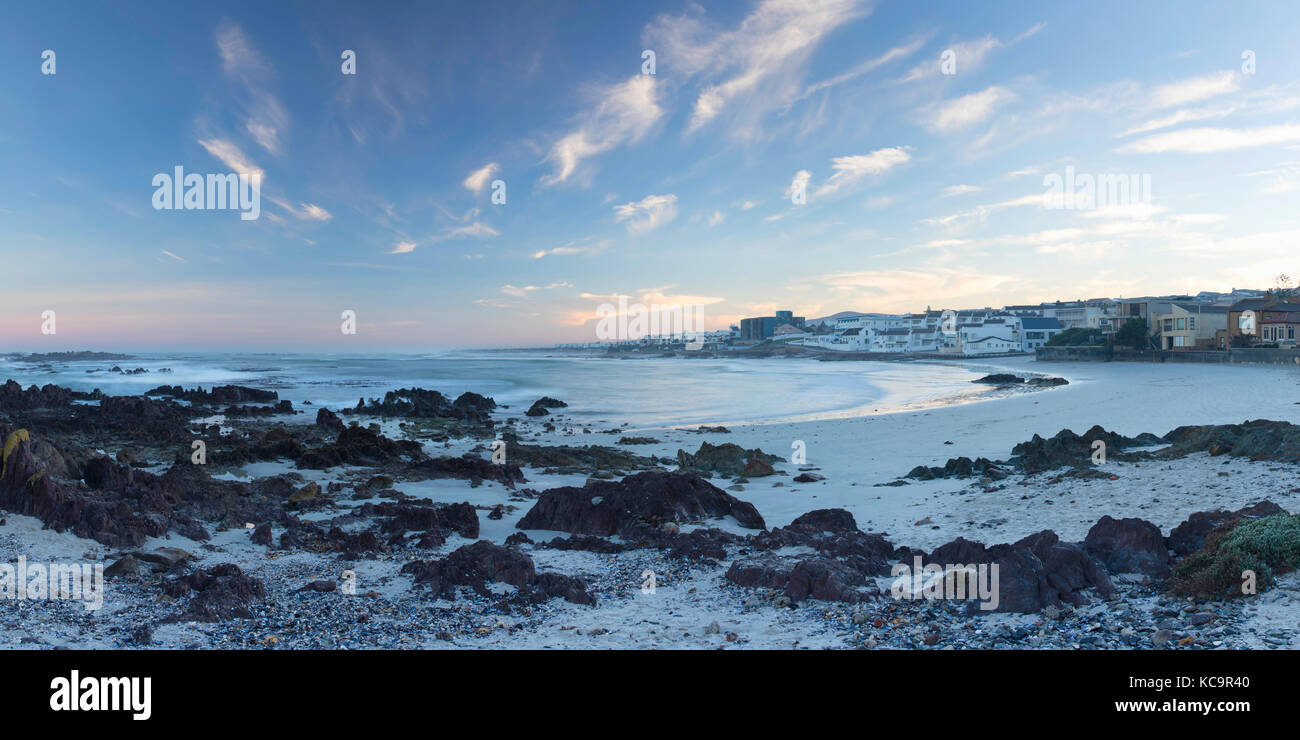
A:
(577, 545)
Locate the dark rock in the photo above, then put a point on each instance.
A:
(1129, 546)
(758, 468)
(725, 459)
(221, 592)
(422, 403)
(540, 406)
(261, 535)
(612, 507)
(328, 420)
(1033, 573)
(1256, 440)
(1047, 381)
(125, 567)
(959, 467)
(482, 563)
(1000, 379)
(1069, 449)
(1189, 536)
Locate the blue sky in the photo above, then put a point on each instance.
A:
(922, 188)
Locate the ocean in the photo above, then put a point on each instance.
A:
(641, 393)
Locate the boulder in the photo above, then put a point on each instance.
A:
(621, 507)
(1129, 546)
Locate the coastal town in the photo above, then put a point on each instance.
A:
(1206, 321)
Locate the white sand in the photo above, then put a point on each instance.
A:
(854, 454)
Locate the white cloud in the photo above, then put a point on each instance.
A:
(623, 114)
(1206, 140)
(478, 179)
(304, 211)
(521, 292)
(848, 170)
(647, 214)
(1194, 89)
(970, 55)
(1186, 115)
(265, 118)
(231, 157)
(968, 110)
(898, 52)
(476, 229)
(403, 248)
(315, 213)
(582, 246)
(759, 63)
(716, 219)
(952, 190)
(169, 254)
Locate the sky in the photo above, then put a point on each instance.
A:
(813, 155)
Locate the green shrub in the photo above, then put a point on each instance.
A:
(1269, 546)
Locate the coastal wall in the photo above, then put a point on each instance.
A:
(1230, 357)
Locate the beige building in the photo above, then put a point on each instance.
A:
(1189, 326)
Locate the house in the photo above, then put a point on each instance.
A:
(991, 336)
(1280, 326)
(761, 328)
(1190, 326)
(1245, 317)
(1036, 332)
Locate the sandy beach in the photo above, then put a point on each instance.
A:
(692, 604)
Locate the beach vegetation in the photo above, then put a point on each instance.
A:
(1077, 337)
(1268, 547)
(1132, 334)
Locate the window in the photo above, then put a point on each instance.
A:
(1191, 323)
(1169, 324)
(1290, 332)
(1182, 324)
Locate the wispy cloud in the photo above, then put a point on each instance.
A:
(894, 54)
(265, 118)
(1186, 115)
(584, 246)
(849, 170)
(968, 110)
(968, 55)
(1207, 140)
(230, 155)
(647, 214)
(754, 68)
(525, 290)
(478, 179)
(622, 114)
(303, 211)
(1194, 89)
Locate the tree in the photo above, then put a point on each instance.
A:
(1283, 287)
(1132, 334)
(1077, 337)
